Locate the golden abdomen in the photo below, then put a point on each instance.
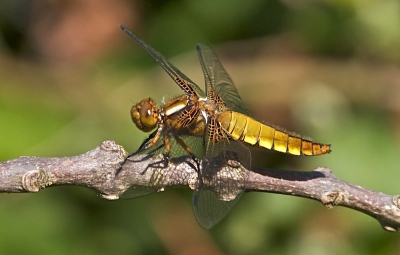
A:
(243, 128)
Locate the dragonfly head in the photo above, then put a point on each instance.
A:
(145, 115)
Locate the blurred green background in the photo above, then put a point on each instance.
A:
(325, 69)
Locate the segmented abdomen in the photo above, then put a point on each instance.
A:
(243, 128)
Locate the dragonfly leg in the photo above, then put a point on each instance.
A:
(147, 144)
(167, 144)
(166, 154)
(152, 139)
(166, 157)
(189, 151)
(184, 146)
(164, 161)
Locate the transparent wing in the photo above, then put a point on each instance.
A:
(155, 173)
(208, 209)
(137, 191)
(182, 80)
(222, 179)
(218, 79)
(193, 142)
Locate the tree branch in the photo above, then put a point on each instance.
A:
(106, 171)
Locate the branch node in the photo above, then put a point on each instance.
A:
(112, 146)
(34, 180)
(333, 198)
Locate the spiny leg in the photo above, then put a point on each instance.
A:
(147, 143)
(165, 156)
(145, 146)
(189, 151)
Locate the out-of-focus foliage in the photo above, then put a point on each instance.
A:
(328, 69)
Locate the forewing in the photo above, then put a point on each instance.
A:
(188, 86)
(218, 79)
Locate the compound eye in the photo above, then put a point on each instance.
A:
(145, 115)
(148, 115)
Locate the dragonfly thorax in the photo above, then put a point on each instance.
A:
(145, 115)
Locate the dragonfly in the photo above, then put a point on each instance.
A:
(218, 120)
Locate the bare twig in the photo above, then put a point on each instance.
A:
(106, 171)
